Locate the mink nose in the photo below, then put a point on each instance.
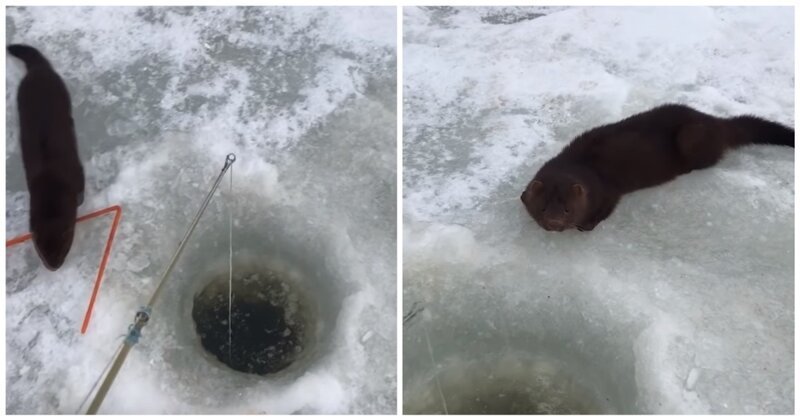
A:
(555, 224)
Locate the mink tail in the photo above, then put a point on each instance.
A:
(31, 56)
(756, 130)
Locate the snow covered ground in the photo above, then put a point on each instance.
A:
(680, 302)
(305, 97)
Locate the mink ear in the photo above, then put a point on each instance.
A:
(579, 190)
(536, 186)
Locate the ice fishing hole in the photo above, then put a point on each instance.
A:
(270, 321)
(512, 383)
(503, 396)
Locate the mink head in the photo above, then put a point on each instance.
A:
(556, 205)
(53, 214)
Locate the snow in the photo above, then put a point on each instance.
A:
(681, 301)
(305, 98)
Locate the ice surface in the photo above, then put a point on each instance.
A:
(681, 301)
(305, 97)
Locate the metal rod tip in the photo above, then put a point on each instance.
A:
(231, 158)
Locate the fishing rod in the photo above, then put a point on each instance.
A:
(143, 315)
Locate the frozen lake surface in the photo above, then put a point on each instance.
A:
(680, 302)
(305, 97)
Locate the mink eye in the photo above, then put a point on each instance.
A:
(566, 210)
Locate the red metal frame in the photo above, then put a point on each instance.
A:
(103, 262)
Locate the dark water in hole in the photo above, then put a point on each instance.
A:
(509, 383)
(512, 401)
(268, 324)
(504, 400)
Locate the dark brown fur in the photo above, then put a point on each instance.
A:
(53, 169)
(580, 187)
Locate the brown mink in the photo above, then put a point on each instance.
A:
(53, 168)
(580, 187)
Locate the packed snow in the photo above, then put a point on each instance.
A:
(305, 98)
(680, 302)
